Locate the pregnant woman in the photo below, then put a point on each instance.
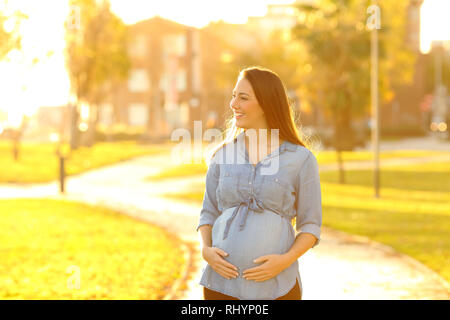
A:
(259, 179)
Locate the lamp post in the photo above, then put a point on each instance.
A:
(373, 24)
(62, 151)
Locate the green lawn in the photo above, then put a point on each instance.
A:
(412, 214)
(426, 177)
(47, 245)
(325, 157)
(39, 163)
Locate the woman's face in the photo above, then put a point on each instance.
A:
(246, 109)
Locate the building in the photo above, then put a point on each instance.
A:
(278, 17)
(162, 91)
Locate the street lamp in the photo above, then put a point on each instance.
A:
(373, 24)
(62, 151)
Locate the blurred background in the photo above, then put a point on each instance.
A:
(96, 70)
(88, 84)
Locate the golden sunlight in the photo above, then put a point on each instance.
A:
(36, 76)
(196, 13)
(435, 24)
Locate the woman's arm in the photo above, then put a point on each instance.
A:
(209, 213)
(215, 256)
(210, 209)
(309, 210)
(302, 243)
(309, 200)
(205, 232)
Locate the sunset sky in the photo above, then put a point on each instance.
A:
(46, 83)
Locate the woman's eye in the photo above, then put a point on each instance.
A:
(241, 97)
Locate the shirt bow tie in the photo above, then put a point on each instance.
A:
(251, 204)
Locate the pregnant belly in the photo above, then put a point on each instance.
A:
(264, 233)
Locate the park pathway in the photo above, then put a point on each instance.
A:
(343, 266)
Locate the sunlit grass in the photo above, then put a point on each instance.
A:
(325, 157)
(118, 257)
(416, 225)
(39, 163)
(412, 214)
(425, 176)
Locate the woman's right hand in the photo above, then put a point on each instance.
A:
(214, 257)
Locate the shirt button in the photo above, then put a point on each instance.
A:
(276, 179)
(250, 182)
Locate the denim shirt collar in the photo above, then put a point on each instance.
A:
(285, 146)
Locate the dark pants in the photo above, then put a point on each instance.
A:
(293, 294)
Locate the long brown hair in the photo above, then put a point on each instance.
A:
(271, 95)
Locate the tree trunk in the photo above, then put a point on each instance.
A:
(17, 136)
(16, 146)
(93, 122)
(338, 146)
(74, 132)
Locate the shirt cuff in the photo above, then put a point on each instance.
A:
(312, 229)
(203, 224)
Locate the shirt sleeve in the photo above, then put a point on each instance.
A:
(210, 211)
(309, 199)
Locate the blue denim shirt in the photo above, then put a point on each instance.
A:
(250, 209)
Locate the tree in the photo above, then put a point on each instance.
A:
(9, 29)
(96, 53)
(233, 47)
(220, 67)
(338, 46)
(10, 40)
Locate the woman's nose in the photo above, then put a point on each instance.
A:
(232, 104)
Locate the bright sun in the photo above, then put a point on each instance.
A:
(435, 24)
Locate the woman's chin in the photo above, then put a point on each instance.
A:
(241, 124)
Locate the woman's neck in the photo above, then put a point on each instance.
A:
(263, 137)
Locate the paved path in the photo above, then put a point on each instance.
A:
(385, 163)
(417, 143)
(341, 267)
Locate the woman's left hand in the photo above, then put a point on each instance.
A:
(273, 265)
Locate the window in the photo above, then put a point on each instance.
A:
(138, 46)
(137, 114)
(106, 113)
(174, 45)
(138, 81)
(181, 80)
